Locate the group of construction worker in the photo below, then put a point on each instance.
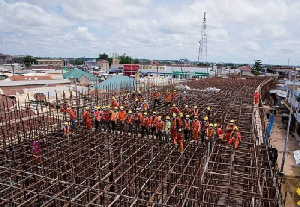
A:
(133, 116)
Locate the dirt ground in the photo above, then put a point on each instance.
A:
(277, 139)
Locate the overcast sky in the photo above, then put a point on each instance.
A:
(238, 30)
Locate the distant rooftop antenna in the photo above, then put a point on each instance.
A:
(203, 41)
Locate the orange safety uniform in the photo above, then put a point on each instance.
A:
(195, 112)
(196, 128)
(220, 133)
(145, 106)
(174, 110)
(237, 140)
(168, 97)
(122, 115)
(180, 140)
(72, 113)
(174, 95)
(228, 131)
(107, 115)
(87, 120)
(129, 119)
(160, 125)
(210, 133)
(114, 104)
(145, 121)
(179, 122)
(152, 121)
(174, 130)
(186, 111)
(140, 115)
(114, 116)
(187, 125)
(256, 97)
(156, 95)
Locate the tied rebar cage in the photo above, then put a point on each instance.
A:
(99, 168)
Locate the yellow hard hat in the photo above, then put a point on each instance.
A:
(96, 107)
(211, 125)
(205, 118)
(121, 107)
(180, 130)
(159, 117)
(215, 124)
(154, 112)
(195, 107)
(174, 114)
(208, 108)
(115, 108)
(66, 123)
(138, 109)
(167, 117)
(103, 107)
(113, 98)
(186, 106)
(180, 114)
(73, 107)
(174, 90)
(187, 116)
(235, 128)
(196, 117)
(174, 105)
(145, 113)
(231, 121)
(87, 108)
(136, 99)
(129, 112)
(107, 106)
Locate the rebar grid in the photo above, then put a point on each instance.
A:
(97, 168)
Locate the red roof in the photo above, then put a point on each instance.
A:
(102, 61)
(246, 68)
(28, 78)
(280, 68)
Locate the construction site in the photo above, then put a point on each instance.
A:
(100, 168)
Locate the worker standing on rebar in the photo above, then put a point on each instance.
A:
(152, 123)
(208, 112)
(229, 130)
(186, 110)
(137, 121)
(167, 129)
(235, 137)
(87, 118)
(209, 137)
(130, 119)
(73, 117)
(97, 117)
(220, 133)
(160, 126)
(174, 96)
(140, 96)
(174, 129)
(180, 139)
(136, 103)
(195, 111)
(196, 128)
(114, 119)
(256, 98)
(156, 96)
(126, 104)
(36, 151)
(145, 106)
(204, 126)
(179, 121)
(66, 130)
(107, 115)
(101, 114)
(122, 117)
(144, 125)
(168, 98)
(187, 128)
(174, 109)
(114, 103)
(133, 95)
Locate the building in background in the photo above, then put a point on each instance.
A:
(104, 65)
(5, 59)
(49, 62)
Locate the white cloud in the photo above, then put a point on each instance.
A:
(238, 30)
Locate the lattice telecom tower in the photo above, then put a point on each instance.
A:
(203, 41)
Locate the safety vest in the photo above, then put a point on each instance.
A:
(156, 95)
(107, 115)
(196, 125)
(210, 132)
(187, 124)
(122, 115)
(173, 123)
(86, 115)
(168, 97)
(114, 116)
(66, 129)
(145, 121)
(160, 126)
(153, 120)
(97, 115)
(195, 112)
(129, 119)
(179, 121)
(72, 114)
(136, 117)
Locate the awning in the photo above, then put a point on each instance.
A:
(280, 93)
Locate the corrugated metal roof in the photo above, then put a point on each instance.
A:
(34, 82)
(77, 73)
(116, 82)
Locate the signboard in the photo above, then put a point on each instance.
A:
(151, 67)
(130, 69)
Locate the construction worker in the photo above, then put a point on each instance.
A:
(167, 129)
(208, 112)
(113, 119)
(107, 116)
(122, 117)
(160, 126)
(174, 129)
(137, 121)
(174, 95)
(97, 117)
(140, 96)
(136, 103)
(205, 125)
(133, 95)
(229, 130)
(174, 109)
(235, 137)
(36, 151)
(66, 130)
(87, 119)
(219, 132)
(196, 128)
(179, 121)
(195, 111)
(144, 125)
(130, 119)
(72, 114)
(156, 96)
(101, 114)
(209, 137)
(126, 104)
(256, 98)
(64, 107)
(186, 110)
(168, 98)
(114, 103)
(145, 106)
(187, 128)
(180, 139)
(152, 123)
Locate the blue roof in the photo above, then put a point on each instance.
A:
(297, 93)
(77, 73)
(116, 82)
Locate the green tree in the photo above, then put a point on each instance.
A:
(103, 56)
(125, 59)
(256, 69)
(136, 61)
(29, 60)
